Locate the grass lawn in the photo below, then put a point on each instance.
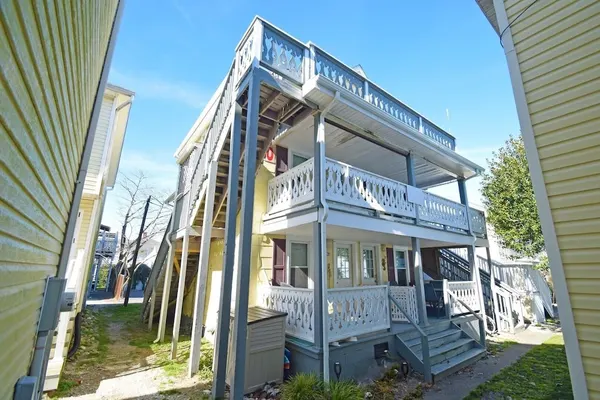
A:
(542, 373)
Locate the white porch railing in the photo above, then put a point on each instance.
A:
(406, 296)
(357, 311)
(465, 291)
(346, 184)
(292, 188)
(299, 306)
(350, 185)
(444, 212)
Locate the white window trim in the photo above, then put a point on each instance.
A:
(407, 262)
(376, 266)
(288, 259)
(291, 154)
(353, 261)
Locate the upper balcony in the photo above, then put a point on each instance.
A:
(352, 189)
(318, 78)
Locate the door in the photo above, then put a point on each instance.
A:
(368, 264)
(343, 265)
(401, 266)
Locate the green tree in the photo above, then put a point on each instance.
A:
(508, 195)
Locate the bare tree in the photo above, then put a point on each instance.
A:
(135, 189)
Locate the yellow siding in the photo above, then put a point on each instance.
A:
(557, 45)
(87, 206)
(52, 56)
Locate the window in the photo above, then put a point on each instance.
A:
(299, 265)
(298, 159)
(400, 264)
(368, 255)
(343, 262)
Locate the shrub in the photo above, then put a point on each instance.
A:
(344, 390)
(304, 387)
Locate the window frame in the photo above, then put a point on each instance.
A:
(406, 263)
(288, 259)
(376, 264)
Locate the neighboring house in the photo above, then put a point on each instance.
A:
(552, 53)
(54, 71)
(100, 178)
(334, 207)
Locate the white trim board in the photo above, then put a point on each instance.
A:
(565, 310)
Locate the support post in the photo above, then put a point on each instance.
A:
(166, 293)
(320, 250)
(202, 275)
(464, 200)
(419, 285)
(152, 304)
(416, 250)
(496, 317)
(222, 338)
(180, 293)
(447, 307)
(245, 250)
(137, 250)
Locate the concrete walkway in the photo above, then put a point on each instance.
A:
(457, 386)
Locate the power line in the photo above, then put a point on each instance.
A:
(515, 20)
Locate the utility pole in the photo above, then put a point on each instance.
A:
(137, 249)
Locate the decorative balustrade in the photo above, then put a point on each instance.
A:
(465, 291)
(443, 212)
(299, 306)
(357, 311)
(350, 185)
(295, 60)
(292, 188)
(477, 222)
(406, 296)
(353, 186)
(396, 109)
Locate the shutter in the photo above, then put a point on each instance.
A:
(391, 267)
(278, 261)
(411, 268)
(281, 155)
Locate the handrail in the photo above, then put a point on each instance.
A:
(424, 340)
(482, 328)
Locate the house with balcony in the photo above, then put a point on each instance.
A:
(100, 178)
(303, 188)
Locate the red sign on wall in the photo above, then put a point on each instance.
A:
(270, 156)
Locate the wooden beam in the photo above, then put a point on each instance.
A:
(269, 101)
(176, 263)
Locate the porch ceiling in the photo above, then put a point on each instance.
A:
(342, 233)
(351, 149)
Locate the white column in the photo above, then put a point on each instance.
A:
(202, 275)
(180, 293)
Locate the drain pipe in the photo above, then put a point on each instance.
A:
(322, 218)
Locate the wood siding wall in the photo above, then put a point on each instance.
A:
(557, 46)
(52, 57)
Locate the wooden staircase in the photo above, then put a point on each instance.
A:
(450, 348)
(275, 109)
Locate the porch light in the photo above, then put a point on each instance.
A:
(404, 368)
(337, 368)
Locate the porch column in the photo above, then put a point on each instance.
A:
(493, 288)
(245, 250)
(475, 273)
(416, 250)
(222, 338)
(202, 274)
(180, 292)
(320, 251)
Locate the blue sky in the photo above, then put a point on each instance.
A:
(434, 56)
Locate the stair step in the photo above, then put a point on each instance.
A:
(457, 362)
(436, 327)
(436, 340)
(449, 350)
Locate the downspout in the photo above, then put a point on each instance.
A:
(322, 218)
(44, 338)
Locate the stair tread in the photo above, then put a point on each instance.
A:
(447, 347)
(433, 336)
(456, 360)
